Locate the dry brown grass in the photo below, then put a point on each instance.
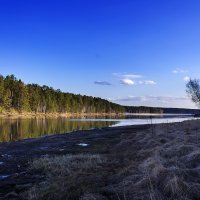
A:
(67, 164)
(140, 167)
(64, 176)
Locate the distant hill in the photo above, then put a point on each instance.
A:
(180, 111)
(153, 110)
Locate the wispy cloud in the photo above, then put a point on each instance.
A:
(132, 76)
(102, 83)
(179, 71)
(127, 76)
(152, 98)
(147, 82)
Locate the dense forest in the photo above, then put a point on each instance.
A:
(159, 110)
(15, 95)
(143, 109)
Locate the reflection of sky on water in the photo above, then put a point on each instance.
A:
(128, 122)
(142, 119)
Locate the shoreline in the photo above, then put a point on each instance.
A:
(66, 115)
(80, 115)
(130, 150)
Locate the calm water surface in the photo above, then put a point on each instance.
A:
(17, 129)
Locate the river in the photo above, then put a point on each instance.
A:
(22, 128)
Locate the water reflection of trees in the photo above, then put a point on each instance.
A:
(16, 129)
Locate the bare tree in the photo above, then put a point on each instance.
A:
(193, 90)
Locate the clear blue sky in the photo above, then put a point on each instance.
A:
(133, 52)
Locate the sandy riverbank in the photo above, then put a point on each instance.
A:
(134, 162)
(67, 115)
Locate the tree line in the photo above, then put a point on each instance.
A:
(160, 110)
(15, 95)
(143, 109)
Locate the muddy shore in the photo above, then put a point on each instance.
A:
(133, 150)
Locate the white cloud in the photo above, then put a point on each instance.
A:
(179, 71)
(102, 83)
(186, 78)
(127, 81)
(132, 79)
(131, 82)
